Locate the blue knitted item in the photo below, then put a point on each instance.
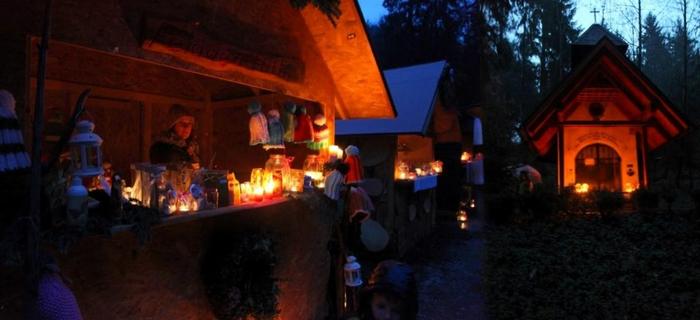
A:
(275, 130)
(55, 301)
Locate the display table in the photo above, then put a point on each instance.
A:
(115, 277)
(415, 205)
(420, 183)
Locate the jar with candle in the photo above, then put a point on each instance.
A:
(313, 167)
(403, 170)
(234, 189)
(246, 192)
(278, 166)
(256, 177)
(297, 180)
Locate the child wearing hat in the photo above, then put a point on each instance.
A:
(177, 144)
(391, 293)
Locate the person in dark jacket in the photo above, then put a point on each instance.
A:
(391, 293)
(177, 144)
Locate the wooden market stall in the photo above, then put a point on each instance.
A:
(398, 154)
(215, 58)
(603, 119)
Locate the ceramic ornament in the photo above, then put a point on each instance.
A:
(257, 125)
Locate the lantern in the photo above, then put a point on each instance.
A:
(462, 215)
(353, 276)
(86, 155)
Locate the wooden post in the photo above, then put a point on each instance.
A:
(207, 132)
(33, 222)
(147, 129)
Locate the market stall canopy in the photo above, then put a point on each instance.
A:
(266, 45)
(605, 76)
(415, 91)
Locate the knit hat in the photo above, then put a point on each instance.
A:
(12, 152)
(176, 112)
(254, 107)
(320, 119)
(273, 114)
(352, 150)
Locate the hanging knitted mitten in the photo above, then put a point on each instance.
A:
(275, 129)
(257, 125)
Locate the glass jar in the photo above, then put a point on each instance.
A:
(403, 171)
(278, 166)
(256, 177)
(313, 167)
(297, 181)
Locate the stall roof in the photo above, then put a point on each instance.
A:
(414, 91)
(269, 45)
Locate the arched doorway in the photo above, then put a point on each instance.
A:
(599, 166)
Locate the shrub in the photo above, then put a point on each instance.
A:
(608, 202)
(645, 200)
(669, 194)
(541, 202)
(501, 206)
(695, 195)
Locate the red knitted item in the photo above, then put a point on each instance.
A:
(303, 132)
(355, 175)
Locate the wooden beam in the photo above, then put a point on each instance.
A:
(117, 93)
(207, 132)
(264, 99)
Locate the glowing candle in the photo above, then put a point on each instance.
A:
(258, 193)
(466, 157)
(334, 152)
(245, 192)
(269, 189)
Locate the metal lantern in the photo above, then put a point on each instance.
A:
(353, 276)
(86, 152)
